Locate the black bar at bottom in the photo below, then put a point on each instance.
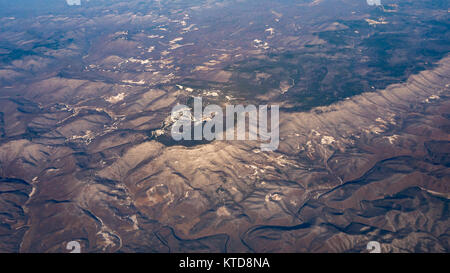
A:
(288, 262)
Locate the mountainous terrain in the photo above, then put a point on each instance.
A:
(86, 92)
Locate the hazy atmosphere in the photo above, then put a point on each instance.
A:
(357, 96)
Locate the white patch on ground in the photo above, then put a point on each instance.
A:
(223, 212)
(375, 22)
(141, 82)
(158, 133)
(374, 129)
(432, 97)
(176, 40)
(327, 140)
(273, 197)
(210, 94)
(33, 191)
(270, 30)
(440, 194)
(260, 44)
(392, 138)
(133, 218)
(116, 98)
(285, 86)
(189, 28)
(134, 60)
(107, 239)
(88, 137)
